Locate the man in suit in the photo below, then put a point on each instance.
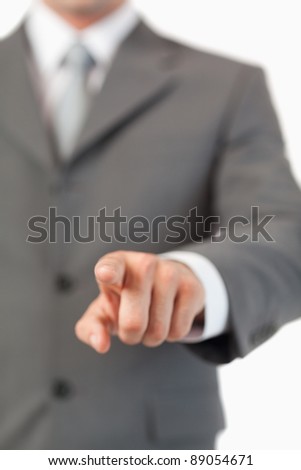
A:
(97, 112)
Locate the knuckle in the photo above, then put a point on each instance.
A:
(186, 329)
(146, 264)
(157, 333)
(177, 332)
(189, 287)
(130, 337)
(168, 273)
(129, 340)
(132, 327)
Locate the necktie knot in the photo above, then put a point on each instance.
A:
(79, 59)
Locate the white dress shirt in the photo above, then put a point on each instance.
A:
(51, 38)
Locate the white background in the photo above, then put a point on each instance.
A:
(262, 393)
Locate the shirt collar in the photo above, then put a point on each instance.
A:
(50, 37)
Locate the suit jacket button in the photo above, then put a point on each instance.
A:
(64, 283)
(61, 389)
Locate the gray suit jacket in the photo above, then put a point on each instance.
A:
(172, 129)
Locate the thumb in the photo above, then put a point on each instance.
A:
(94, 329)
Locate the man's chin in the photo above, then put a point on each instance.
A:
(82, 7)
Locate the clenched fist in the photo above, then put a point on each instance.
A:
(143, 299)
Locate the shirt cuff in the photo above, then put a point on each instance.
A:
(216, 295)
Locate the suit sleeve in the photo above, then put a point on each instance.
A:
(263, 278)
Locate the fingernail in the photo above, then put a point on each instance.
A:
(94, 341)
(104, 268)
(106, 272)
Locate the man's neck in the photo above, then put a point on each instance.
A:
(79, 20)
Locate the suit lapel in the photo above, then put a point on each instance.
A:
(20, 110)
(139, 77)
